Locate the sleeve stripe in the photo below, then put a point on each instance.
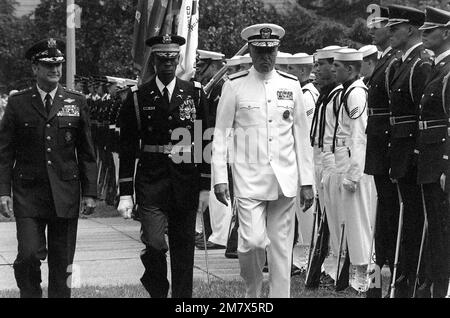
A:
(125, 180)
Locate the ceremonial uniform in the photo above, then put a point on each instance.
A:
(378, 162)
(433, 160)
(47, 163)
(405, 91)
(270, 157)
(168, 180)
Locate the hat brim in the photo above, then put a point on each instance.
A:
(429, 26)
(396, 22)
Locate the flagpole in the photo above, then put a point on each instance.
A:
(70, 45)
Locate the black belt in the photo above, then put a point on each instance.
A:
(166, 149)
(397, 120)
(429, 124)
(379, 112)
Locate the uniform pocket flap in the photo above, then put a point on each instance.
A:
(433, 135)
(249, 105)
(68, 123)
(29, 124)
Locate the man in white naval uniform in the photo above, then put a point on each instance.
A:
(349, 147)
(301, 65)
(271, 157)
(322, 132)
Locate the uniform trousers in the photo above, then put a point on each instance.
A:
(266, 224)
(34, 247)
(438, 239)
(181, 227)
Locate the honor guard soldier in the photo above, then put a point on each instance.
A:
(321, 138)
(266, 174)
(47, 159)
(349, 147)
(405, 91)
(168, 177)
(433, 146)
(377, 154)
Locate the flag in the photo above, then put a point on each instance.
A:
(188, 28)
(140, 33)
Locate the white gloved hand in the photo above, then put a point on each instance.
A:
(443, 180)
(349, 185)
(125, 207)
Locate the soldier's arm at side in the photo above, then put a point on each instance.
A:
(86, 155)
(205, 165)
(419, 78)
(7, 139)
(357, 102)
(446, 100)
(224, 122)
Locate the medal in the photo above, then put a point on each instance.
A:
(286, 114)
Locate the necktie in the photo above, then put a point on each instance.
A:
(166, 95)
(48, 103)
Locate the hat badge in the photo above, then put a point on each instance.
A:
(167, 39)
(265, 33)
(51, 43)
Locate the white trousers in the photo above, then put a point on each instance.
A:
(220, 219)
(266, 224)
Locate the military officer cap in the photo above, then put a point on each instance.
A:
(283, 58)
(348, 55)
(48, 51)
(435, 18)
(167, 45)
(235, 60)
(384, 17)
(327, 52)
(368, 50)
(301, 58)
(246, 59)
(263, 35)
(210, 55)
(401, 14)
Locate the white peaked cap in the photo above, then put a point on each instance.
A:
(348, 55)
(235, 60)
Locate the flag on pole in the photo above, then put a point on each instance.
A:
(188, 28)
(158, 17)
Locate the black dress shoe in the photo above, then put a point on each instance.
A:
(297, 271)
(209, 246)
(231, 254)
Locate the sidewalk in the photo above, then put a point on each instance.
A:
(107, 254)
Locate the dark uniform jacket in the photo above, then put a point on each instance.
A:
(405, 93)
(160, 181)
(378, 127)
(434, 125)
(36, 149)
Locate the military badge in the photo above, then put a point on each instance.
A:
(51, 43)
(149, 108)
(69, 100)
(187, 110)
(167, 39)
(69, 111)
(68, 137)
(285, 94)
(266, 33)
(286, 114)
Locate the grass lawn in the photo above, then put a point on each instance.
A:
(218, 289)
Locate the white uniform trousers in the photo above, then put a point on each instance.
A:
(266, 224)
(220, 218)
(358, 211)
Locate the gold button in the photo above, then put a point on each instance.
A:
(48, 126)
(49, 150)
(49, 138)
(170, 117)
(49, 163)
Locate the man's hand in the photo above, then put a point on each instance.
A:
(125, 207)
(306, 197)
(88, 205)
(222, 193)
(6, 208)
(203, 201)
(443, 179)
(349, 185)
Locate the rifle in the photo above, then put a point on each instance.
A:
(399, 237)
(311, 244)
(221, 73)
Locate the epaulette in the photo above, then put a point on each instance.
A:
(238, 75)
(73, 91)
(134, 88)
(287, 75)
(23, 91)
(197, 85)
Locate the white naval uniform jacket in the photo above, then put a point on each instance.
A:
(351, 129)
(270, 153)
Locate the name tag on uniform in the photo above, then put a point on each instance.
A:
(149, 108)
(285, 94)
(70, 111)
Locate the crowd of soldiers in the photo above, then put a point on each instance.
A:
(372, 210)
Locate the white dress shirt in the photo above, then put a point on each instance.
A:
(170, 87)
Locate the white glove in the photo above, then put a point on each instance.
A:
(443, 179)
(125, 207)
(349, 185)
(203, 201)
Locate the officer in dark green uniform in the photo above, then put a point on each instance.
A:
(47, 158)
(434, 151)
(405, 91)
(168, 177)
